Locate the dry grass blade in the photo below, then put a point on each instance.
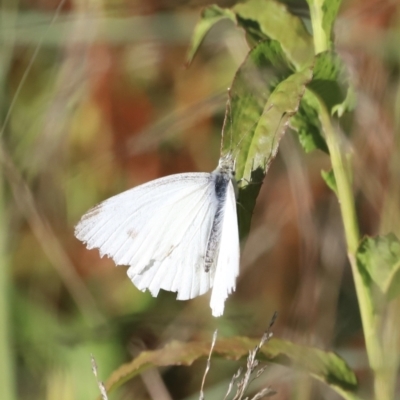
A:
(99, 383)
(214, 339)
(266, 392)
(252, 363)
(235, 377)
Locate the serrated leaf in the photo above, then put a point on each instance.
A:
(209, 17)
(263, 68)
(379, 257)
(331, 86)
(264, 94)
(281, 105)
(272, 124)
(327, 80)
(270, 18)
(329, 178)
(324, 366)
(306, 123)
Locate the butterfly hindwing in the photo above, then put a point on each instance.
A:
(227, 265)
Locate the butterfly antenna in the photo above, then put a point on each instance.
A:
(228, 114)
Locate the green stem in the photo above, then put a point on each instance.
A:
(7, 377)
(370, 322)
(321, 41)
(7, 364)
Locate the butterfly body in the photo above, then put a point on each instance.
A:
(178, 233)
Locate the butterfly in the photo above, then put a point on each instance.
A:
(177, 233)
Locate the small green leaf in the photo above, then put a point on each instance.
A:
(329, 178)
(379, 257)
(271, 19)
(348, 103)
(306, 123)
(324, 366)
(331, 86)
(209, 17)
(327, 80)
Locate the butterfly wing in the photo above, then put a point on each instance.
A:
(160, 229)
(227, 266)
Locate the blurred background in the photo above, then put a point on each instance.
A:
(95, 98)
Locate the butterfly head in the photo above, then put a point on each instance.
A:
(227, 163)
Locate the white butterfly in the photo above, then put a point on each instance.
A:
(177, 233)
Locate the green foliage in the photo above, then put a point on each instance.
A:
(306, 123)
(268, 131)
(378, 259)
(255, 17)
(265, 92)
(327, 79)
(331, 88)
(329, 178)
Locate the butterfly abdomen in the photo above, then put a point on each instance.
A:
(221, 181)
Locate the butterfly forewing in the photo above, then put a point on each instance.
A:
(160, 229)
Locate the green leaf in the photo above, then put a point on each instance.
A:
(329, 178)
(379, 257)
(348, 104)
(271, 19)
(324, 366)
(263, 68)
(255, 18)
(327, 80)
(306, 123)
(209, 17)
(331, 85)
(263, 96)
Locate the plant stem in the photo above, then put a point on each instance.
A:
(370, 321)
(383, 382)
(321, 41)
(7, 364)
(6, 348)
